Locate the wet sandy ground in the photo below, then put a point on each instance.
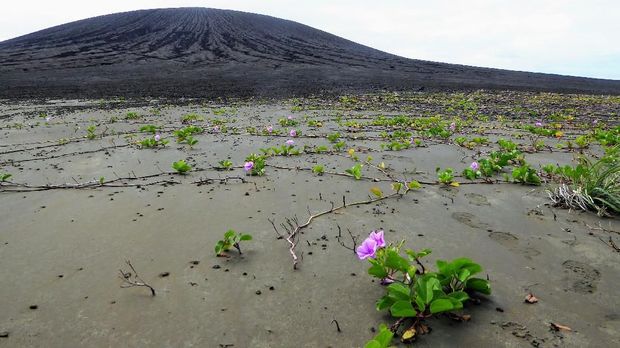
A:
(60, 249)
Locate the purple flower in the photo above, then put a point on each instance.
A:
(377, 236)
(387, 281)
(157, 137)
(538, 124)
(452, 126)
(290, 142)
(367, 249)
(248, 166)
(595, 122)
(474, 165)
(48, 118)
(292, 133)
(216, 129)
(269, 129)
(290, 117)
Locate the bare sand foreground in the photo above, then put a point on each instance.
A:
(77, 206)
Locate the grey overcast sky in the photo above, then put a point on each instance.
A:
(565, 37)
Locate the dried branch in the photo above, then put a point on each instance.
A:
(132, 280)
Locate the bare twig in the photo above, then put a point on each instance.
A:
(132, 280)
(293, 228)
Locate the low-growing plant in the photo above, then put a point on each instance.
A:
(473, 172)
(183, 133)
(446, 176)
(414, 294)
(189, 118)
(191, 141)
(318, 169)
(181, 167)
(254, 165)
(589, 186)
(396, 145)
(132, 115)
(149, 128)
(90, 132)
(225, 165)
(288, 121)
(5, 176)
(333, 137)
(231, 239)
(355, 171)
(155, 141)
(525, 175)
(339, 145)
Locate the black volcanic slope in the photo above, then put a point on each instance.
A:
(207, 52)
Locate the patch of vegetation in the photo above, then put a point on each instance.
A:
(231, 239)
(414, 294)
(181, 167)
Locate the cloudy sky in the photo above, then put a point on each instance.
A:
(555, 36)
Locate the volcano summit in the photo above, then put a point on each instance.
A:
(210, 53)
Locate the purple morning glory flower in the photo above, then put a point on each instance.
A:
(216, 129)
(248, 166)
(157, 137)
(377, 236)
(290, 142)
(367, 249)
(269, 129)
(595, 122)
(474, 165)
(538, 124)
(290, 117)
(452, 126)
(293, 133)
(387, 281)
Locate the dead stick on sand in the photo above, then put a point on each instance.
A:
(293, 228)
(131, 280)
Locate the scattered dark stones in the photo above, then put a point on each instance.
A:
(258, 292)
(4, 334)
(216, 267)
(164, 274)
(33, 307)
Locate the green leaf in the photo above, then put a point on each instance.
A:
(402, 309)
(425, 286)
(385, 336)
(219, 247)
(443, 267)
(384, 303)
(376, 191)
(382, 339)
(398, 291)
(373, 344)
(463, 275)
(378, 271)
(480, 285)
(413, 185)
(441, 305)
(245, 237)
(460, 296)
(395, 261)
(229, 234)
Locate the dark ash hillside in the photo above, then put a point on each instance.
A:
(198, 52)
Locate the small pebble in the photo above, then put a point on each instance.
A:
(258, 292)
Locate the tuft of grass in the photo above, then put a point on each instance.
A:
(589, 186)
